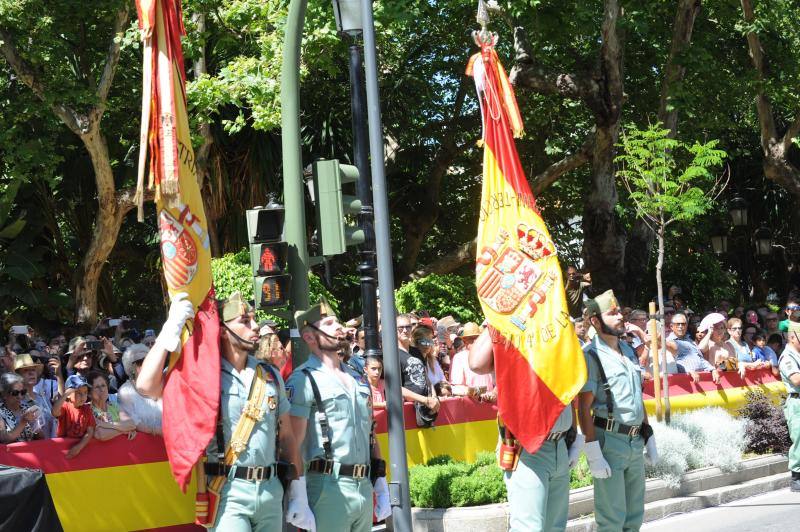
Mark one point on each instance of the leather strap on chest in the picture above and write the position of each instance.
(322, 417)
(604, 381)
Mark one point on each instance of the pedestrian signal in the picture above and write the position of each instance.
(269, 255)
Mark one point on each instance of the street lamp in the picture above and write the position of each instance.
(763, 240)
(719, 241)
(348, 16)
(738, 210)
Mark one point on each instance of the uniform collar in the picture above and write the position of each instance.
(228, 367)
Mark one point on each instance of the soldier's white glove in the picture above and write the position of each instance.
(180, 310)
(383, 508)
(575, 450)
(597, 463)
(651, 452)
(298, 513)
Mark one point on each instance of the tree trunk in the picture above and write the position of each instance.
(106, 228)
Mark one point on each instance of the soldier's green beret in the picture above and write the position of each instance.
(602, 303)
(233, 307)
(313, 314)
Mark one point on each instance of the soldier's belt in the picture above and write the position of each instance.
(555, 436)
(612, 426)
(326, 467)
(253, 474)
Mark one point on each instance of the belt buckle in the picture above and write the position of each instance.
(256, 473)
(328, 467)
(634, 431)
(359, 471)
(610, 424)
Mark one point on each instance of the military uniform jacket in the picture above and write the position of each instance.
(234, 391)
(624, 378)
(789, 364)
(349, 412)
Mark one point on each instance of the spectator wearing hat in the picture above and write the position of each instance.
(110, 423)
(31, 372)
(74, 414)
(143, 411)
(415, 386)
(465, 382)
(712, 345)
(18, 416)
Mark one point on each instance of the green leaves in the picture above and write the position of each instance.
(441, 295)
(649, 166)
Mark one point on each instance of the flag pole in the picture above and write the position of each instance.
(398, 488)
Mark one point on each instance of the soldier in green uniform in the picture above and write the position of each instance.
(250, 493)
(331, 414)
(538, 487)
(789, 365)
(612, 417)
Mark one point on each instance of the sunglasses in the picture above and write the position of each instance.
(404, 327)
(16, 393)
(736, 328)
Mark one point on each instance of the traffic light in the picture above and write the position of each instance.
(268, 256)
(335, 234)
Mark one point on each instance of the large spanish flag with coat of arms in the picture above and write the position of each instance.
(191, 388)
(539, 364)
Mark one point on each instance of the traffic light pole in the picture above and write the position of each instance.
(398, 489)
(293, 195)
(366, 269)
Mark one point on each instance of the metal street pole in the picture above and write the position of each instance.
(366, 269)
(293, 195)
(398, 489)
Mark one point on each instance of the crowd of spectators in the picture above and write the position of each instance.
(84, 386)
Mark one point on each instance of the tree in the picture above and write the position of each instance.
(72, 76)
(663, 194)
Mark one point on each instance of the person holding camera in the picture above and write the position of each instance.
(29, 367)
(18, 416)
(577, 285)
(415, 386)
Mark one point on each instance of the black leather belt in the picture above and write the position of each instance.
(326, 467)
(612, 426)
(253, 474)
(555, 436)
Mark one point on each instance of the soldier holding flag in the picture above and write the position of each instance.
(244, 491)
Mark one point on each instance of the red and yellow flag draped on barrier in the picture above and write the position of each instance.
(538, 360)
(191, 389)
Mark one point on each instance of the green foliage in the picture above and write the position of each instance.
(649, 167)
(580, 476)
(232, 273)
(441, 295)
(443, 482)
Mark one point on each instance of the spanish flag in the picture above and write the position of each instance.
(539, 364)
(191, 389)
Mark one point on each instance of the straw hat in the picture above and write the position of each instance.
(471, 330)
(25, 361)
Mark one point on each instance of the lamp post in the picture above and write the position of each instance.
(349, 23)
(763, 240)
(738, 209)
(719, 242)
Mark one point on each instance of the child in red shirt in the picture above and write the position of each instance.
(75, 418)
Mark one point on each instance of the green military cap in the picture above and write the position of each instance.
(314, 314)
(233, 307)
(602, 303)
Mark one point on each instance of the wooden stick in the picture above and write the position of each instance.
(653, 329)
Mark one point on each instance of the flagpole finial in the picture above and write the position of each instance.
(483, 36)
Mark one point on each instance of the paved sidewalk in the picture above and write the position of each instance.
(776, 511)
